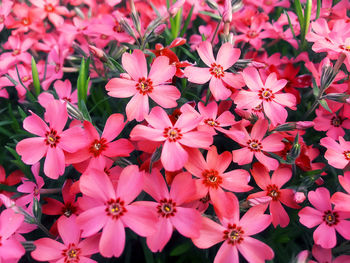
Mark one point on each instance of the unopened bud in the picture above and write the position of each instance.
(303, 125)
(227, 14)
(259, 200)
(303, 257)
(98, 53)
(319, 181)
(295, 151)
(74, 112)
(174, 8)
(299, 197)
(212, 4)
(339, 97)
(290, 126)
(160, 29)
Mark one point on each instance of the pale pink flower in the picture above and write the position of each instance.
(142, 85)
(216, 73)
(329, 220)
(111, 209)
(73, 248)
(272, 188)
(256, 144)
(267, 95)
(52, 140)
(52, 10)
(213, 178)
(10, 247)
(5, 10)
(170, 208)
(337, 154)
(175, 137)
(236, 234)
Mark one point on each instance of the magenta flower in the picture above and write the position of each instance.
(52, 10)
(256, 145)
(342, 200)
(170, 208)
(72, 250)
(272, 188)
(236, 234)
(142, 85)
(52, 140)
(337, 154)
(175, 137)
(215, 73)
(213, 178)
(5, 10)
(267, 95)
(329, 220)
(110, 209)
(11, 250)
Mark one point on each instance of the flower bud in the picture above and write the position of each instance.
(319, 181)
(259, 200)
(339, 97)
(212, 4)
(299, 197)
(98, 53)
(303, 125)
(74, 112)
(174, 8)
(227, 14)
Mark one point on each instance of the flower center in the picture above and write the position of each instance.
(273, 192)
(25, 21)
(98, 146)
(217, 71)
(71, 254)
(2, 19)
(36, 191)
(16, 52)
(166, 208)
(211, 122)
(254, 145)
(118, 28)
(233, 234)
(336, 121)
(266, 94)
(330, 218)
(68, 210)
(115, 208)
(173, 134)
(49, 8)
(258, 108)
(52, 139)
(211, 178)
(25, 78)
(144, 86)
(103, 36)
(252, 34)
(345, 47)
(347, 155)
(57, 68)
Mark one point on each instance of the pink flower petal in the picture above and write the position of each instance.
(186, 221)
(281, 176)
(236, 181)
(135, 64)
(227, 55)
(90, 223)
(247, 99)
(285, 99)
(325, 236)
(161, 237)
(158, 119)
(130, 183)
(205, 52)
(341, 201)
(275, 112)
(121, 88)
(11, 250)
(279, 214)
(320, 199)
(63, 88)
(227, 254)
(183, 188)
(252, 78)
(89, 245)
(54, 109)
(198, 139)
(211, 233)
(218, 89)
(141, 132)
(273, 143)
(343, 228)
(155, 185)
(34, 124)
(196, 163)
(254, 250)
(287, 198)
(197, 75)
(112, 239)
(242, 156)
(47, 249)
(114, 125)
(31, 149)
(218, 162)
(165, 95)
(161, 71)
(310, 217)
(121, 147)
(173, 156)
(270, 163)
(9, 223)
(72, 139)
(68, 229)
(54, 165)
(137, 107)
(261, 175)
(259, 129)
(254, 221)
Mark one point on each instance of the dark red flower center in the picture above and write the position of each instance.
(69, 209)
(345, 47)
(233, 234)
(273, 192)
(252, 34)
(216, 70)
(49, 8)
(254, 145)
(347, 155)
(144, 86)
(25, 21)
(211, 178)
(16, 52)
(266, 94)
(211, 122)
(330, 218)
(115, 208)
(98, 146)
(52, 139)
(172, 134)
(71, 254)
(336, 121)
(166, 208)
(25, 78)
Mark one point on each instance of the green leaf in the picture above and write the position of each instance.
(180, 249)
(307, 15)
(312, 173)
(315, 89)
(115, 64)
(37, 212)
(18, 162)
(83, 81)
(35, 76)
(290, 24)
(187, 22)
(324, 104)
(85, 111)
(212, 15)
(318, 10)
(28, 93)
(299, 11)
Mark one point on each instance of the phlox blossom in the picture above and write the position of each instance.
(342, 200)
(52, 140)
(337, 154)
(325, 255)
(272, 188)
(215, 72)
(329, 220)
(266, 95)
(140, 85)
(175, 137)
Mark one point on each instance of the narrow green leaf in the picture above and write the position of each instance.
(325, 105)
(85, 111)
(81, 82)
(28, 93)
(290, 24)
(318, 10)
(307, 15)
(18, 162)
(299, 12)
(212, 15)
(187, 22)
(14, 82)
(181, 249)
(35, 76)
(315, 89)
(115, 64)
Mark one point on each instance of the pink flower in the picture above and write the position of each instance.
(72, 249)
(10, 247)
(342, 200)
(170, 208)
(273, 101)
(99, 148)
(272, 188)
(52, 140)
(329, 220)
(141, 84)
(256, 145)
(109, 209)
(337, 154)
(236, 234)
(213, 178)
(52, 10)
(325, 255)
(5, 10)
(215, 73)
(175, 137)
